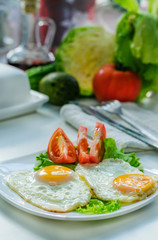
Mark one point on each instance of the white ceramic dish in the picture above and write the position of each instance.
(15, 86)
(34, 101)
(14, 199)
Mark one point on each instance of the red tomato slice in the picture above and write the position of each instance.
(60, 148)
(97, 146)
(82, 145)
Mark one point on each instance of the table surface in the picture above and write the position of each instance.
(30, 134)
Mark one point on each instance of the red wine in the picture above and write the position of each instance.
(25, 66)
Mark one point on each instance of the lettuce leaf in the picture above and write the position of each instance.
(137, 49)
(43, 161)
(130, 5)
(97, 206)
(123, 54)
(144, 43)
(153, 7)
(111, 151)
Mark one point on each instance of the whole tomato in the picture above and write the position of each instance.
(111, 84)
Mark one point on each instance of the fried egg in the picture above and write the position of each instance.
(53, 188)
(114, 179)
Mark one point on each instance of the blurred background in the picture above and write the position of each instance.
(65, 13)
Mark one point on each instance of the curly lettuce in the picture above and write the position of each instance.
(42, 161)
(137, 49)
(96, 206)
(153, 7)
(111, 151)
(130, 5)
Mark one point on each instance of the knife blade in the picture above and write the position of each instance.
(142, 137)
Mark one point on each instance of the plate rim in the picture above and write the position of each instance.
(64, 216)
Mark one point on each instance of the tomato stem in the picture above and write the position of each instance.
(119, 67)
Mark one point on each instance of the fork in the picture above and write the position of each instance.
(115, 107)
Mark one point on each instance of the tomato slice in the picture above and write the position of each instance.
(97, 147)
(60, 148)
(82, 145)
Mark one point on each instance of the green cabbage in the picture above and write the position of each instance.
(83, 51)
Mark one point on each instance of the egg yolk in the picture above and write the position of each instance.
(54, 175)
(133, 183)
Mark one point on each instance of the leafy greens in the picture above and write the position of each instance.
(43, 161)
(136, 45)
(96, 206)
(153, 7)
(111, 151)
(130, 5)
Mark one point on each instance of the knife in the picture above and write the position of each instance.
(142, 137)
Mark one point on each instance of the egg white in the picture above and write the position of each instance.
(59, 198)
(100, 178)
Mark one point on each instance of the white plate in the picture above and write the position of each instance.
(26, 163)
(35, 101)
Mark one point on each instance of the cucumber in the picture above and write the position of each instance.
(35, 74)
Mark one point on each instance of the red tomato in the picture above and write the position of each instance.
(82, 145)
(112, 84)
(97, 147)
(60, 148)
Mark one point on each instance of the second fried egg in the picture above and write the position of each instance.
(114, 179)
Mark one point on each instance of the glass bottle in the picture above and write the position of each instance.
(32, 51)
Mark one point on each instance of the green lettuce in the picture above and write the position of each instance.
(144, 42)
(111, 151)
(153, 7)
(96, 206)
(130, 5)
(43, 161)
(137, 49)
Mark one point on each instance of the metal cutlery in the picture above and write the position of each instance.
(142, 137)
(115, 107)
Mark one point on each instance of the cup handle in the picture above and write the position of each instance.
(51, 30)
